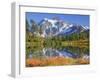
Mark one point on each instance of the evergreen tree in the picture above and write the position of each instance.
(27, 26)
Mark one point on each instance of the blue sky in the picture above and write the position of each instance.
(71, 18)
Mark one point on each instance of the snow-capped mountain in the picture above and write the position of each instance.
(54, 27)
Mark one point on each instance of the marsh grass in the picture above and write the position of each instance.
(55, 61)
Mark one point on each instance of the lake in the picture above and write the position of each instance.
(57, 54)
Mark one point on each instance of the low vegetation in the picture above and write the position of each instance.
(55, 61)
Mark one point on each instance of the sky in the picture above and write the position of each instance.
(71, 18)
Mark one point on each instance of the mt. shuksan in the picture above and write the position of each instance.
(55, 27)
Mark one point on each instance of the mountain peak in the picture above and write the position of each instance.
(56, 26)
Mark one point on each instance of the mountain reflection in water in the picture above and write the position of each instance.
(70, 52)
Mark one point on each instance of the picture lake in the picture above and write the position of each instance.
(56, 53)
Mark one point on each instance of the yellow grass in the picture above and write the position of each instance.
(55, 61)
